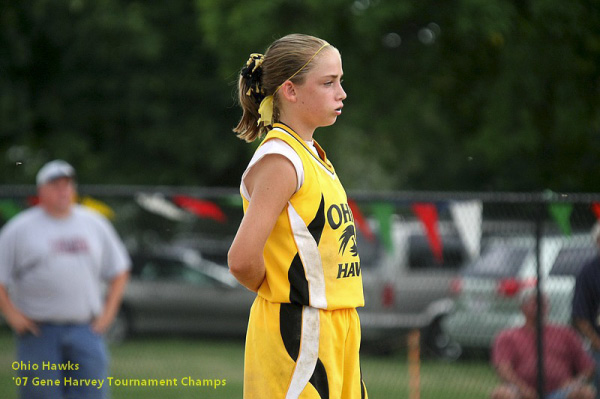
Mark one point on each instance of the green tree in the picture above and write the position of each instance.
(124, 90)
(462, 95)
(478, 95)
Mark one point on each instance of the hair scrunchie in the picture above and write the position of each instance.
(252, 74)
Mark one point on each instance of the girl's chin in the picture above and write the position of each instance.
(331, 121)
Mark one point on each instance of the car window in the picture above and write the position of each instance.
(420, 254)
(498, 261)
(171, 270)
(370, 250)
(569, 261)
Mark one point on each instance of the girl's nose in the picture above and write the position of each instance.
(342, 93)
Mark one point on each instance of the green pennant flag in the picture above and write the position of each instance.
(562, 214)
(8, 209)
(232, 200)
(383, 213)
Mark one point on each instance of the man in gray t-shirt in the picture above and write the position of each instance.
(54, 260)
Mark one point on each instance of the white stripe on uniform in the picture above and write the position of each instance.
(309, 352)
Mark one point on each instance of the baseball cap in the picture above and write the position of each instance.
(54, 170)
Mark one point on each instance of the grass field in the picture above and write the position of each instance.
(144, 359)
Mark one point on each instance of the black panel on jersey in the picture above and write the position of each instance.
(319, 380)
(290, 327)
(296, 272)
(298, 282)
(318, 223)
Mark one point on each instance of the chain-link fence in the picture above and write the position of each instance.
(443, 273)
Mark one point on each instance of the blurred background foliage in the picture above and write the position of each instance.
(442, 95)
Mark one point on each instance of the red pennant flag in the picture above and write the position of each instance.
(427, 213)
(596, 209)
(204, 209)
(361, 222)
(33, 200)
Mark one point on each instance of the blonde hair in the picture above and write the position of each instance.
(288, 58)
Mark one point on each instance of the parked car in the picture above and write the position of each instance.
(174, 290)
(488, 291)
(407, 289)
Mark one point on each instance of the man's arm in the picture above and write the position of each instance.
(112, 304)
(15, 319)
(508, 374)
(582, 363)
(586, 328)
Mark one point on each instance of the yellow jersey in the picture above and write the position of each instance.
(311, 256)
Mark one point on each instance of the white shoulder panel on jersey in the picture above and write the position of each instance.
(275, 146)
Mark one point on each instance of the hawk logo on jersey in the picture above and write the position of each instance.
(346, 237)
(336, 216)
(351, 269)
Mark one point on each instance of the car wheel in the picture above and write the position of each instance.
(120, 328)
(439, 342)
(453, 351)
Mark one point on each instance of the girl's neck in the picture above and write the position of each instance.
(305, 133)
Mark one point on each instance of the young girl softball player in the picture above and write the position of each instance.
(296, 245)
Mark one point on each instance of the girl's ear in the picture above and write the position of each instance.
(288, 91)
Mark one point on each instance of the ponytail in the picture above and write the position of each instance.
(250, 95)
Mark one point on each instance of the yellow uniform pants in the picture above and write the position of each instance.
(295, 351)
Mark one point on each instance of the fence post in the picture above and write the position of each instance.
(539, 227)
(414, 369)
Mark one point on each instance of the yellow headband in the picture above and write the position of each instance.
(265, 108)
